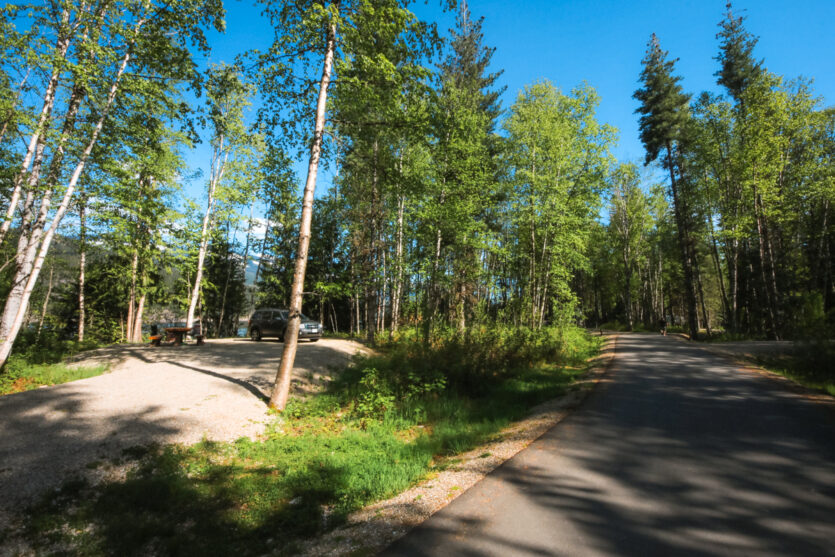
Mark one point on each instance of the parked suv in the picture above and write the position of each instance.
(272, 322)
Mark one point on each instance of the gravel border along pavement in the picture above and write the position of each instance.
(375, 527)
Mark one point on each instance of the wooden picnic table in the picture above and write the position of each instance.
(176, 334)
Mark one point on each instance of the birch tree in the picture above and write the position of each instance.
(95, 44)
(227, 96)
(313, 34)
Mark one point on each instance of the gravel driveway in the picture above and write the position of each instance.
(152, 395)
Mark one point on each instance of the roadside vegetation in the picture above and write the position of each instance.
(810, 363)
(40, 360)
(387, 422)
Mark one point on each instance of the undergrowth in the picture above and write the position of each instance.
(810, 363)
(387, 422)
(37, 360)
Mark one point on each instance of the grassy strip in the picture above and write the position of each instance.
(387, 423)
(810, 366)
(38, 360)
(24, 377)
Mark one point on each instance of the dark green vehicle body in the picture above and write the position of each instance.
(272, 322)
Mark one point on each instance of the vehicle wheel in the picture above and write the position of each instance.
(281, 337)
(255, 334)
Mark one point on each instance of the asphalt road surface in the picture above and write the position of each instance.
(677, 452)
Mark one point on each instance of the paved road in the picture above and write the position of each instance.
(678, 452)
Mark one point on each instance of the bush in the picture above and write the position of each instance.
(469, 364)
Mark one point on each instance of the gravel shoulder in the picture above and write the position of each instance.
(152, 395)
(373, 528)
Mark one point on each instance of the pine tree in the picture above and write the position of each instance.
(664, 115)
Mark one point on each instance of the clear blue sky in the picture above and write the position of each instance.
(602, 42)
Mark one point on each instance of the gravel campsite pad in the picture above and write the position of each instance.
(169, 394)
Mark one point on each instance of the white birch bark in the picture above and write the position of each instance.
(10, 327)
(82, 265)
(37, 136)
(134, 265)
(137, 325)
(218, 166)
(281, 391)
(398, 281)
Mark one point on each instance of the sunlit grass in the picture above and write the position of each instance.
(322, 459)
(18, 378)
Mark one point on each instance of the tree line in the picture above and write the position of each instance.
(746, 241)
(445, 210)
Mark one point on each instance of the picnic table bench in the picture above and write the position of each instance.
(175, 335)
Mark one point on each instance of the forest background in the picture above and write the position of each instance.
(142, 181)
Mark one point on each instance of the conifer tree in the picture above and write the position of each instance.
(736, 56)
(664, 115)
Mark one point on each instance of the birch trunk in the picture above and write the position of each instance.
(36, 139)
(371, 300)
(685, 247)
(82, 264)
(134, 265)
(137, 326)
(281, 391)
(398, 279)
(10, 327)
(218, 167)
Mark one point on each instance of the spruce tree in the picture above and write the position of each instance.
(664, 114)
(467, 62)
(736, 56)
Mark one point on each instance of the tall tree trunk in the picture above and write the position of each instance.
(82, 263)
(218, 168)
(134, 267)
(281, 391)
(371, 291)
(702, 296)
(10, 327)
(716, 263)
(37, 138)
(772, 317)
(137, 325)
(733, 283)
(679, 207)
(46, 301)
(398, 279)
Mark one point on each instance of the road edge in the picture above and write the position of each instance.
(784, 382)
(377, 526)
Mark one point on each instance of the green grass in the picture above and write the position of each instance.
(387, 423)
(20, 376)
(811, 364)
(39, 360)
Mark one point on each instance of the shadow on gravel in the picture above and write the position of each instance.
(41, 443)
(681, 454)
(49, 434)
(256, 392)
